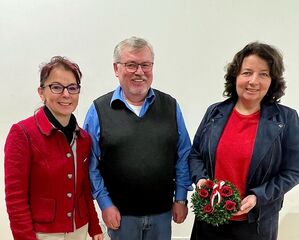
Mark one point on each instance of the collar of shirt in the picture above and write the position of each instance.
(118, 95)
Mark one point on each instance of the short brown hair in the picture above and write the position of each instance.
(58, 61)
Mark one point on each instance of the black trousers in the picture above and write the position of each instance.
(235, 230)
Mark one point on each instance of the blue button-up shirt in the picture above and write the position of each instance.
(92, 126)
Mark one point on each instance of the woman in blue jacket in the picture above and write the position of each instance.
(253, 142)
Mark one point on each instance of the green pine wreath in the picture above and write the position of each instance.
(215, 202)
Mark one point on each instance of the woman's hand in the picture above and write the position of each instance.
(98, 237)
(201, 182)
(246, 205)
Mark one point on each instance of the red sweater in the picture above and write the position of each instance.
(235, 149)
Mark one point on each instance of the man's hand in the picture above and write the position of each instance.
(111, 217)
(179, 212)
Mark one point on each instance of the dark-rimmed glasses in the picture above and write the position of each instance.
(133, 67)
(58, 88)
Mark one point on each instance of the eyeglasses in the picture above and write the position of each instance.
(133, 67)
(58, 88)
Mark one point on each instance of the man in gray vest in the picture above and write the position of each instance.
(138, 169)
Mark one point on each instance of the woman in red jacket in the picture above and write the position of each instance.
(47, 186)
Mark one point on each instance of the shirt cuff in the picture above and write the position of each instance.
(180, 193)
(104, 202)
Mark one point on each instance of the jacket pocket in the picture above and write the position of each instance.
(82, 207)
(43, 210)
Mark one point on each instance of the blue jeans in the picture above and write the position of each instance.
(150, 227)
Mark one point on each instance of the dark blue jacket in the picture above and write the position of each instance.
(274, 167)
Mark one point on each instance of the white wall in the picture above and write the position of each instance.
(193, 41)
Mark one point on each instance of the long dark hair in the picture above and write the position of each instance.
(274, 60)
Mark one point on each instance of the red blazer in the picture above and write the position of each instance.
(45, 191)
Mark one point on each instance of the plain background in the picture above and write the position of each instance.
(193, 42)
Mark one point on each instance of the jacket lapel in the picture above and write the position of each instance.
(269, 129)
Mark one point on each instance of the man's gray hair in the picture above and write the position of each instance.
(135, 43)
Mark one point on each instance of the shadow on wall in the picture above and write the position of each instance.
(288, 227)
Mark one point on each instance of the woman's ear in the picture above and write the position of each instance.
(40, 91)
